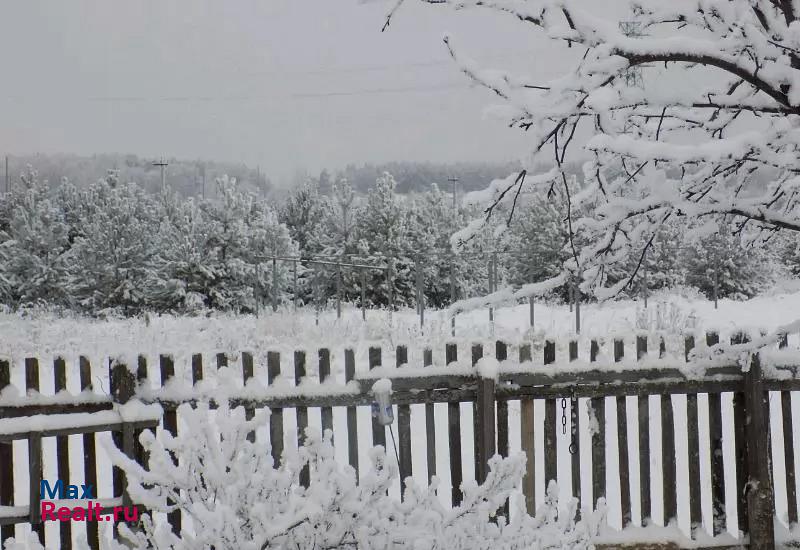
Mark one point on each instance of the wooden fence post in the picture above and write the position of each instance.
(7, 459)
(501, 354)
(352, 423)
(740, 439)
(760, 496)
(550, 438)
(302, 413)
(622, 444)
(378, 429)
(486, 427)
(403, 428)
(170, 421)
(62, 449)
(89, 454)
(454, 435)
(34, 455)
(643, 405)
(123, 387)
(528, 439)
(326, 414)
(276, 413)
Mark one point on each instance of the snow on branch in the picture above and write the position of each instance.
(707, 135)
(238, 498)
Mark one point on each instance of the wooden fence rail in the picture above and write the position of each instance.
(576, 400)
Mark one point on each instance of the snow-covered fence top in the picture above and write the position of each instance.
(515, 390)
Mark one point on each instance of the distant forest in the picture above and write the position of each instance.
(186, 176)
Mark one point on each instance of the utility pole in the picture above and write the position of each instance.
(454, 181)
(203, 168)
(163, 165)
(6, 173)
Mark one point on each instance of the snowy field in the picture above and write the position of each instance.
(47, 336)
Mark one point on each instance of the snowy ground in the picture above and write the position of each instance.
(48, 336)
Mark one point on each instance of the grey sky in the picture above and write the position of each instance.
(286, 84)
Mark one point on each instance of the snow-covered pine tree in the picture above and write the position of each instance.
(741, 271)
(535, 242)
(304, 213)
(383, 235)
(244, 235)
(111, 259)
(35, 246)
(334, 240)
(184, 276)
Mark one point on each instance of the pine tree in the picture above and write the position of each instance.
(383, 235)
(34, 270)
(741, 271)
(111, 259)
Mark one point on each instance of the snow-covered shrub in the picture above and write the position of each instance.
(670, 316)
(237, 498)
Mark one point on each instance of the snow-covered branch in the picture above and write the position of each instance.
(688, 111)
(238, 499)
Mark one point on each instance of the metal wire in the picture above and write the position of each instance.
(394, 444)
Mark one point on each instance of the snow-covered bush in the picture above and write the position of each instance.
(238, 499)
(669, 316)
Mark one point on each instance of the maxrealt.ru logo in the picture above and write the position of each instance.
(88, 510)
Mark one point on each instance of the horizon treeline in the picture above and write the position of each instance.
(111, 247)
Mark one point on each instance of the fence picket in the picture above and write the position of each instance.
(89, 454)
(35, 455)
(789, 458)
(403, 428)
(719, 519)
(741, 443)
(34, 475)
(62, 448)
(7, 458)
(302, 412)
(550, 441)
(247, 375)
(430, 424)
(692, 429)
(326, 413)
(622, 445)
(643, 405)
(575, 438)
(668, 459)
(528, 438)
(123, 388)
(167, 367)
(378, 430)
(597, 410)
(276, 413)
(477, 354)
(501, 354)
(454, 435)
(760, 492)
(352, 420)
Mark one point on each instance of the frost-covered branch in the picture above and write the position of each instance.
(238, 499)
(709, 136)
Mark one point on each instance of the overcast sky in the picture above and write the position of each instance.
(287, 84)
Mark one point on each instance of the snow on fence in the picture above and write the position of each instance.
(496, 379)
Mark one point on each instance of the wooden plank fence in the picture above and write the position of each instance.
(561, 392)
